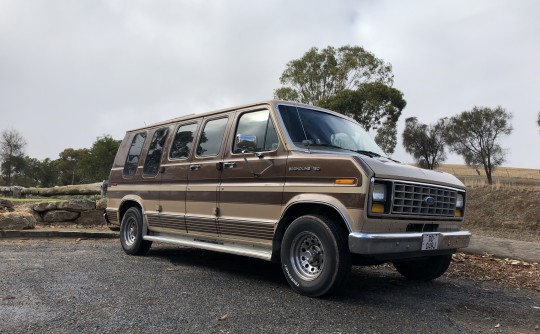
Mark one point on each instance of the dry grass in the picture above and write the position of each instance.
(500, 172)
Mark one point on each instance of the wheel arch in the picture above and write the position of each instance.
(128, 203)
(302, 208)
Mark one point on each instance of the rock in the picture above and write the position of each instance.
(101, 204)
(6, 205)
(77, 205)
(92, 217)
(45, 206)
(17, 221)
(60, 216)
(29, 208)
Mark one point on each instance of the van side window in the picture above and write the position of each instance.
(153, 157)
(211, 137)
(258, 124)
(183, 140)
(132, 159)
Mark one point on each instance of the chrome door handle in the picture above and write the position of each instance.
(229, 165)
(194, 167)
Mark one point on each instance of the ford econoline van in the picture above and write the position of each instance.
(284, 182)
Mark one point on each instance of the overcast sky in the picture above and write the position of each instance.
(73, 70)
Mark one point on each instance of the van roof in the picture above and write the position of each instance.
(245, 106)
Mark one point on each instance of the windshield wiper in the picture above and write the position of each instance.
(370, 154)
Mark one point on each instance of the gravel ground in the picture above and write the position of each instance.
(83, 286)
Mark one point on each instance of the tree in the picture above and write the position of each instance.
(474, 135)
(12, 146)
(425, 142)
(96, 165)
(386, 137)
(68, 166)
(319, 75)
(349, 80)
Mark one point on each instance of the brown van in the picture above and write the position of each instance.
(284, 182)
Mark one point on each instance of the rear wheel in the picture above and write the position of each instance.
(424, 269)
(131, 233)
(314, 256)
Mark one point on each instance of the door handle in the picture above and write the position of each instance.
(229, 165)
(194, 167)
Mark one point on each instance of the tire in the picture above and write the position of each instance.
(425, 269)
(315, 256)
(131, 233)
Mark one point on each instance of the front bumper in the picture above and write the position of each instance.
(394, 243)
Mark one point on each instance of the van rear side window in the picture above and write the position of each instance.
(183, 140)
(132, 159)
(153, 158)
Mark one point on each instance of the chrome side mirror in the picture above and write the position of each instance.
(246, 142)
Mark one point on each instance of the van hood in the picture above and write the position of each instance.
(387, 169)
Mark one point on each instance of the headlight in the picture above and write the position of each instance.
(459, 201)
(379, 192)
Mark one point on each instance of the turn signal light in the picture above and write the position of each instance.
(377, 208)
(346, 181)
(458, 213)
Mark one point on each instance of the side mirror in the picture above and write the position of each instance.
(246, 142)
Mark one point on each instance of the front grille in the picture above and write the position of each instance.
(423, 200)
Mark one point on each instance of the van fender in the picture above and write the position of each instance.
(138, 200)
(321, 199)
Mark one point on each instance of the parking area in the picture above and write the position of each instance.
(74, 285)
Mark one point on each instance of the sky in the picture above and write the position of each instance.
(74, 70)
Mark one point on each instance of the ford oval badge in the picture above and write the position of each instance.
(429, 200)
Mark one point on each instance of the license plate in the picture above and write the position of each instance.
(430, 241)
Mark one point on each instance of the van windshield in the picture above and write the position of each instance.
(310, 128)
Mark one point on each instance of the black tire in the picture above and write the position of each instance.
(131, 230)
(315, 256)
(424, 269)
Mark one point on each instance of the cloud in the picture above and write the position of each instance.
(74, 70)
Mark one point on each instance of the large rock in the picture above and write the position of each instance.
(29, 208)
(92, 217)
(60, 216)
(77, 205)
(45, 206)
(17, 221)
(101, 204)
(6, 205)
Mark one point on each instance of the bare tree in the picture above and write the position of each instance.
(12, 146)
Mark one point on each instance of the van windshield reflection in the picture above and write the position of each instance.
(312, 128)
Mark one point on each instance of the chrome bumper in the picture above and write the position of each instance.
(391, 243)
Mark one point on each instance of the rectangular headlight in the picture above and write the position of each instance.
(379, 192)
(459, 201)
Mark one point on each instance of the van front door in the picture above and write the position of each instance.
(252, 182)
(203, 177)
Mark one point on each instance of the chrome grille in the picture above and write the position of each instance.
(423, 200)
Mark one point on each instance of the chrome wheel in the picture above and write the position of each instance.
(130, 232)
(307, 256)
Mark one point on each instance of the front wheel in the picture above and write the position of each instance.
(424, 269)
(314, 256)
(131, 233)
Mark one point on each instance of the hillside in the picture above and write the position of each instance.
(510, 208)
(504, 212)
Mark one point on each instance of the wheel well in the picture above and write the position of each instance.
(298, 210)
(125, 206)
